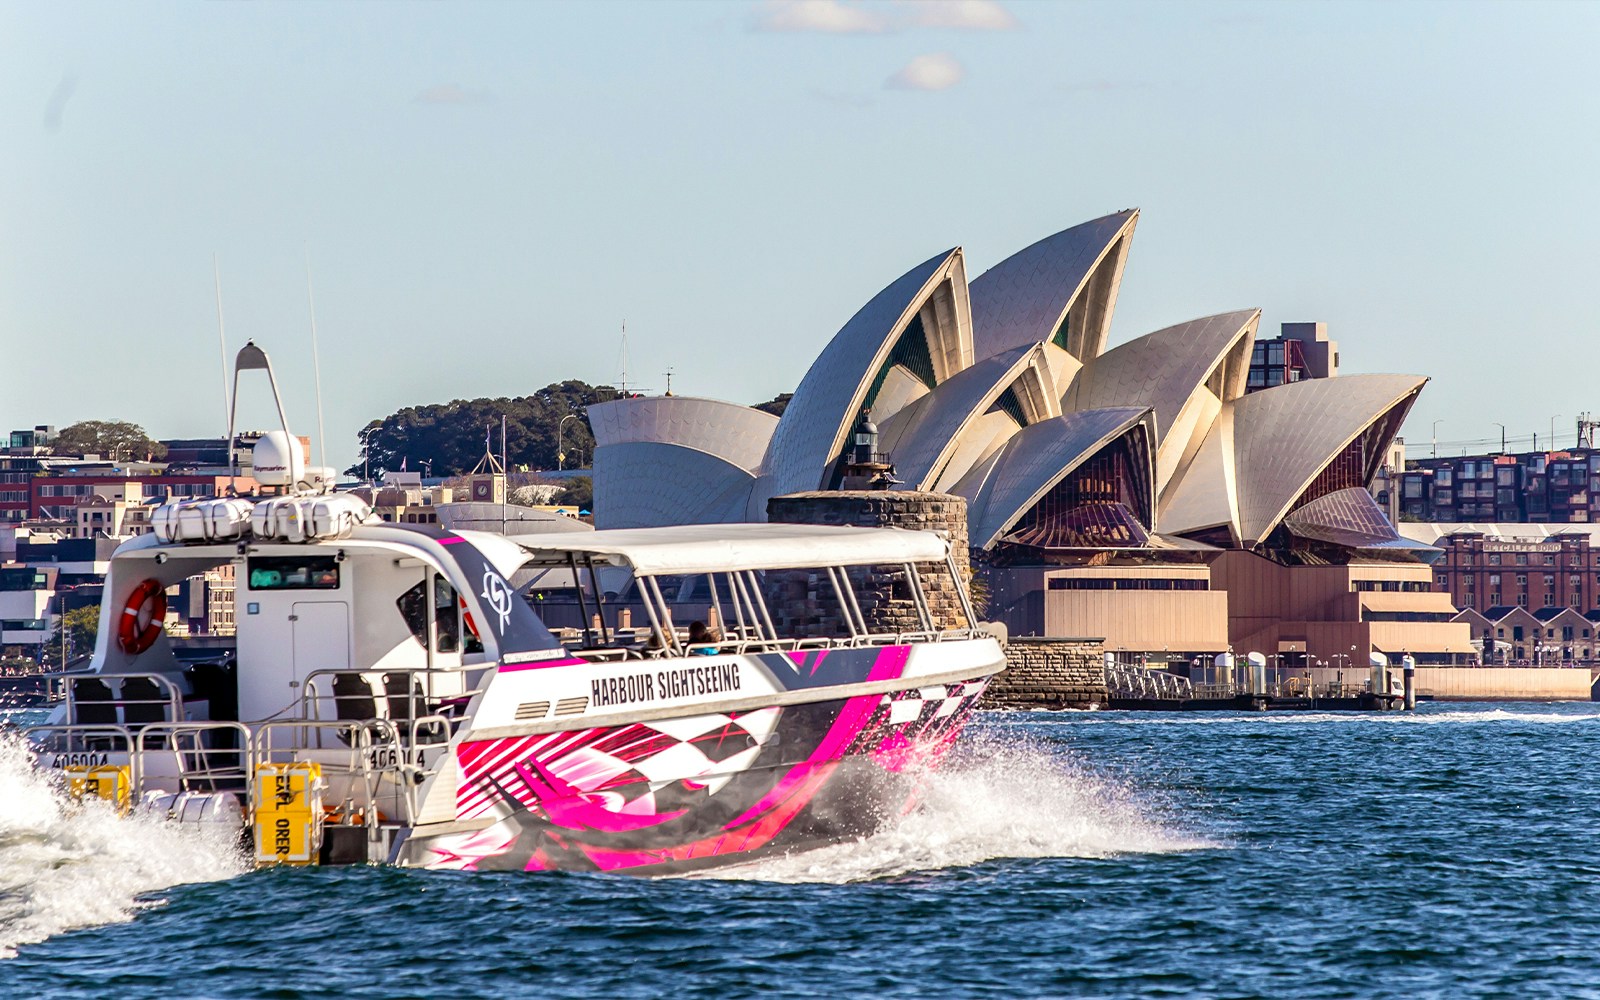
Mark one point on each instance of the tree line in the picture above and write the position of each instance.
(438, 439)
(447, 439)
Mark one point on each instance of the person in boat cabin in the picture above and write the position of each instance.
(700, 635)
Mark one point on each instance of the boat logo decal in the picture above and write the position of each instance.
(498, 593)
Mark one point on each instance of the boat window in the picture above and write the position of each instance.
(670, 585)
(554, 595)
(413, 606)
(445, 617)
(294, 573)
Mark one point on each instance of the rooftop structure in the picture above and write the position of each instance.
(1535, 486)
(1005, 393)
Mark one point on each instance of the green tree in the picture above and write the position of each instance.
(113, 439)
(579, 493)
(82, 626)
(776, 405)
(448, 439)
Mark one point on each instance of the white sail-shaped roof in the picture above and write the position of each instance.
(1000, 491)
(1204, 496)
(646, 484)
(1284, 436)
(1070, 277)
(1281, 439)
(736, 434)
(921, 447)
(1184, 372)
(860, 361)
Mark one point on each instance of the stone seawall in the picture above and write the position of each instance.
(1050, 673)
(803, 602)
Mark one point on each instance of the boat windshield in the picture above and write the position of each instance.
(727, 588)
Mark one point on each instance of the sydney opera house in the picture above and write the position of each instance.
(1144, 493)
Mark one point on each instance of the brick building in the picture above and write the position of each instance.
(1486, 569)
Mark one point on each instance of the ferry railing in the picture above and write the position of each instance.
(734, 644)
(376, 762)
(752, 629)
(364, 752)
(84, 746)
(399, 695)
(134, 711)
(1127, 681)
(67, 741)
(204, 761)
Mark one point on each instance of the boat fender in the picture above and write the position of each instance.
(142, 617)
(219, 809)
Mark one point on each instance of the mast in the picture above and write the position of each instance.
(316, 368)
(623, 382)
(222, 342)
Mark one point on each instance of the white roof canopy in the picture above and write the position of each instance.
(722, 548)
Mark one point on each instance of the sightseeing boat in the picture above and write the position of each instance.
(395, 697)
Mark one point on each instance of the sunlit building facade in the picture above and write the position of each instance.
(1115, 492)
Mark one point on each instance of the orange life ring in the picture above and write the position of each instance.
(466, 617)
(142, 617)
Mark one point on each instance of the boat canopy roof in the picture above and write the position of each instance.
(722, 548)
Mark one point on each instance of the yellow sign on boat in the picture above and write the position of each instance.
(288, 813)
(107, 782)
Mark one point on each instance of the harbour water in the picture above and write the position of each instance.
(1447, 853)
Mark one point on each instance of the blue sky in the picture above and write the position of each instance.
(486, 191)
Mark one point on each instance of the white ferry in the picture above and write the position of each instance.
(396, 698)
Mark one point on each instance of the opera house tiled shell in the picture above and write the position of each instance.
(1004, 392)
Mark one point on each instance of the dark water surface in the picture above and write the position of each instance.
(1445, 854)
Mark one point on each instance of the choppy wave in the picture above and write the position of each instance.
(1420, 718)
(65, 865)
(1013, 800)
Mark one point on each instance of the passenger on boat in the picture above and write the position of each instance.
(699, 638)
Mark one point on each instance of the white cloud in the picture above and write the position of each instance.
(935, 71)
(449, 93)
(827, 16)
(967, 15)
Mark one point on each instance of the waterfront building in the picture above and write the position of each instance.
(55, 494)
(1549, 572)
(1536, 487)
(1139, 493)
(27, 594)
(20, 461)
(402, 498)
(1300, 351)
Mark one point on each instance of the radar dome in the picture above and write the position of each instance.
(277, 460)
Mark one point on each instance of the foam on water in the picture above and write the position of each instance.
(65, 865)
(1011, 799)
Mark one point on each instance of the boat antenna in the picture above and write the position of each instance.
(316, 368)
(222, 341)
(623, 382)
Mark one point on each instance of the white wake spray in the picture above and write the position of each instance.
(65, 865)
(1010, 799)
